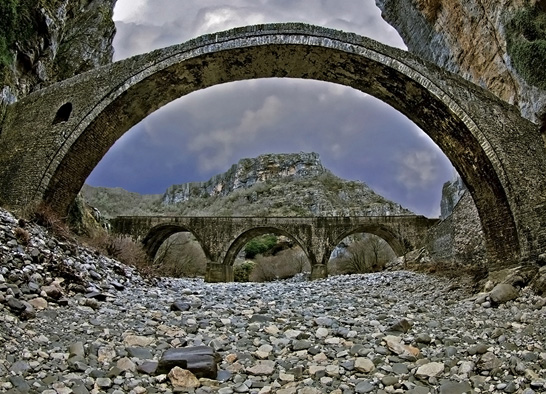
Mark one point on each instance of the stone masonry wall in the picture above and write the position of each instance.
(459, 237)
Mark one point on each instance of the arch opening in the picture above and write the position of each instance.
(155, 244)
(63, 113)
(270, 257)
(180, 255)
(360, 253)
(254, 243)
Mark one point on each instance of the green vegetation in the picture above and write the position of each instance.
(260, 245)
(241, 272)
(8, 31)
(19, 21)
(526, 38)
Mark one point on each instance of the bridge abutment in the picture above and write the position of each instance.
(219, 273)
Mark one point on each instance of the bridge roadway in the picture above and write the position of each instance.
(222, 238)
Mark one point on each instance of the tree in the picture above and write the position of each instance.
(179, 256)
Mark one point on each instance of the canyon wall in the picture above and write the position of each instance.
(50, 41)
(498, 44)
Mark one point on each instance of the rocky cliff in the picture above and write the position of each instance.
(46, 41)
(270, 185)
(452, 192)
(247, 173)
(498, 44)
(295, 184)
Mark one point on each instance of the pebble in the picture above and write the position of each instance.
(385, 332)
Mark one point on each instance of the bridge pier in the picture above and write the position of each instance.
(319, 271)
(219, 273)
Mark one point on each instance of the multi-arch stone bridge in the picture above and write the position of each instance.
(51, 140)
(222, 238)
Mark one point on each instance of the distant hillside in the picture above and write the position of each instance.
(269, 185)
(113, 202)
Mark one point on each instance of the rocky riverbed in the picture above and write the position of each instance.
(73, 321)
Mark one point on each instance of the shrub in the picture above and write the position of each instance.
(122, 248)
(368, 254)
(180, 256)
(526, 44)
(259, 245)
(22, 236)
(242, 272)
(284, 265)
(45, 216)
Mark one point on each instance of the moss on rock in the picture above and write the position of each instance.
(526, 38)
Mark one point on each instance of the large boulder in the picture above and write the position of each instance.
(200, 360)
(539, 282)
(503, 292)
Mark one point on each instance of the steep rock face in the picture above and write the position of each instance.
(248, 172)
(69, 37)
(269, 185)
(471, 38)
(452, 192)
(295, 184)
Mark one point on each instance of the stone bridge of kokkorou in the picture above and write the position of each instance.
(222, 238)
(52, 139)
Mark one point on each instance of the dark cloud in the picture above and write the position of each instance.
(357, 136)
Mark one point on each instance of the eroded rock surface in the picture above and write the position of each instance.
(468, 38)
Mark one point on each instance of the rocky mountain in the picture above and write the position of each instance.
(270, 185)
(247, 173)
(46, 41)
(498, 44)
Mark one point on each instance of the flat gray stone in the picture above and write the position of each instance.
(455, 388)
(365, 386)
(200, 360)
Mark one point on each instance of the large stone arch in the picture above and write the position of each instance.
(160, 233)
(242, 239)
(497, 152)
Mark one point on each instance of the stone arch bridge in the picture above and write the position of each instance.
(222, 238)
(52, 139)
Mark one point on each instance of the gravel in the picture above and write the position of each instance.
(73, 321)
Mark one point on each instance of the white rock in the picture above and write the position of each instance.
(364, 365)
(292, 334)
(322, 332)
(430, 370)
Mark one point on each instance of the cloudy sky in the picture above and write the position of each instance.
(357, 136)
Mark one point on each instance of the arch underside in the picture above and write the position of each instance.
(242, 239)
(390, 236)
(159, 234)
(403, 92)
